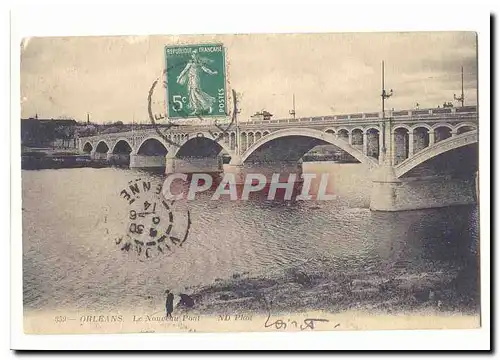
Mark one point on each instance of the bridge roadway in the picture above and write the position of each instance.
(405, 152)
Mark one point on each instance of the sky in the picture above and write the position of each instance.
(334, 73)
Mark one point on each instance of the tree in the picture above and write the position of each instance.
(88, 130)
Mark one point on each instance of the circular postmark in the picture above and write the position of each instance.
(162, 128)
(153, 226)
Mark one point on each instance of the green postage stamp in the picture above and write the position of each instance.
(196, 81)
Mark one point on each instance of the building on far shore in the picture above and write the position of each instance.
(37, 132)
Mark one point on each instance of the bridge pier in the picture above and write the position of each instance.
(240, 170)
(147, 161)
(383, 194)
(365, 143)
(381, 155)
(117, 159)
(392, 194)
(169, 165)
(193, 165)
(237, 170)
(96, 155)
(431, 137)
(110, 156)
(411, 143)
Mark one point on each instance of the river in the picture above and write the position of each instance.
(301, 254)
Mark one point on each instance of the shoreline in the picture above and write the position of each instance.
(40, 159)
(298, 291)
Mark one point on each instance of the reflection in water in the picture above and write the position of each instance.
(71, 261)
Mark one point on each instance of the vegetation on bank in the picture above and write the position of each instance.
(299, 290)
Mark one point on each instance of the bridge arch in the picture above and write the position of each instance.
(438, 148)
(122, 146)
(342, 128)
(314, 134)
(443, 125)
(442, 132)
(205, 140)
(416, 126)
(357, 128)
(330, 130)
(421, 138)
(250, 138)
(152, 145)
(370, 127)
(102, 146)
(463, 125)
(401, 126)
(357, 136)
(87, 148)
(343, 133)
(232, 140)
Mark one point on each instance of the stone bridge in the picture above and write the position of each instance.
(402, 150)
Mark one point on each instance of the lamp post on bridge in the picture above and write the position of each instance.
(133, 129)
(292, 112)
(384, 178)
(236, 112)
(385, 95)
(461, 98)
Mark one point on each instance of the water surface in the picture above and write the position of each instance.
(70, 260)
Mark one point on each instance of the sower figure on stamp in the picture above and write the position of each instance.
(198, 99)
(169, 304)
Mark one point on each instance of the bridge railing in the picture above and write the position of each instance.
(399, 114)
(469, 112)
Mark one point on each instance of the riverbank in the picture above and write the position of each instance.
(37, 159)
(296, 301)
(296, 290)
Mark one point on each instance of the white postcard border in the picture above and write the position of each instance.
(137, 20)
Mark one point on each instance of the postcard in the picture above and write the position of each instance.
(250, 182)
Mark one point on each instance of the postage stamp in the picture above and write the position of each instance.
(267, 182)
(196, 79)
(182, 63)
